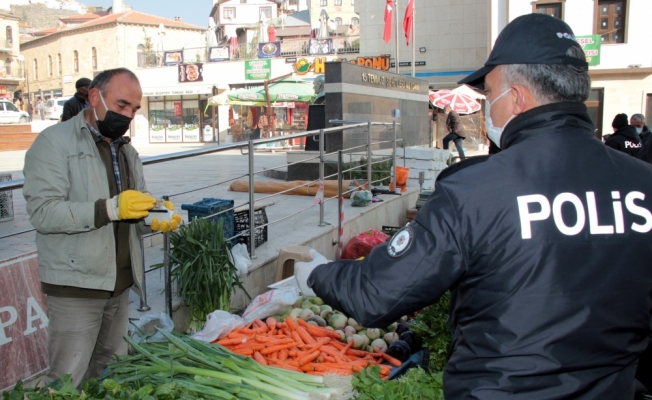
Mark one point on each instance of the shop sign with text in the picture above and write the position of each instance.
(591, 45)
(318, 64)
(256, 70)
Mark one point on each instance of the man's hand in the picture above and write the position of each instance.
(302, 271)
(130, 204)
(167, 225)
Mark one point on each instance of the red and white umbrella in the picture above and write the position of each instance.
(459, 102)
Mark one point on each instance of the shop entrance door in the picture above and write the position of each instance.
(208, 122)
(594, 105)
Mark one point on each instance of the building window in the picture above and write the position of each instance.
(352, 2)
(35, 69)
(323, 3)
(228, 13)
(94, 58)
(140, 55)
(243, 1)
(266, 11)
(10, 36)
(338, 21)
(59, 62)
(293, 2)
(355, 21)
(610, 21)
(338, 2)
(50, 69)
(552, 9)
(8, 66)
(75, 62)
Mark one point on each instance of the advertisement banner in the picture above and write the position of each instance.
(23, 321)
(190, 133)
(191, 72)
(221, 53)
(177, 108)
(173, 134)
(591, 45)
(173, 58)
(269, 49)
(320, 46)
(256, 70)
(157, 134)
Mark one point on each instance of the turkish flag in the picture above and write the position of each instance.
(388, 22)
(407, 21)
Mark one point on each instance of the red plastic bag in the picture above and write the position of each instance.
(361, 245)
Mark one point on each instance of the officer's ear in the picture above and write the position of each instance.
(522, 99)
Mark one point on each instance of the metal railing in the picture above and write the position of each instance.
(250, 146)
(249, 51)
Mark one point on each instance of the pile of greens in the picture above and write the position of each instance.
(415, 384)
(432, 329)
(202, 269)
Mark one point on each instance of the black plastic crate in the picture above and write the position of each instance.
(241, 219)
(211, 206)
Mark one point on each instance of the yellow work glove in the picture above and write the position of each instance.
(130, 204)
(166, 225)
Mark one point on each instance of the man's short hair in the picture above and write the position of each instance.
(104, 77)
(551, 83)
(639, 116)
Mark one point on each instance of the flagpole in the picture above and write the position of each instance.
(414, 54)
(396, 12)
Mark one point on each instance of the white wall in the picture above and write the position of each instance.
(245, 13)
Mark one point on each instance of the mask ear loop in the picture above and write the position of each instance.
(103, 103)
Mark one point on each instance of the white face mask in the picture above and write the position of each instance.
(494, 132)
(639, 130)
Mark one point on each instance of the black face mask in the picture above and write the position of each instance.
(113, 125)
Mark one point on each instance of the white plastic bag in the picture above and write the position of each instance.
(270, 303)
(218, 324)
(241, 259)
(145, 330)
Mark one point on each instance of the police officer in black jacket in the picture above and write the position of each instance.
(625, 138)
(77, 102)
(546, 246)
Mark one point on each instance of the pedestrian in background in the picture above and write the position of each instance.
(638, 122)
(77, 102)
(30, 110)
(455, 131)
(624, 138)
(40, 108)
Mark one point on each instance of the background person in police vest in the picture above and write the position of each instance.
(545, 246)
(638, 122)
(624, 138)
(86, 196)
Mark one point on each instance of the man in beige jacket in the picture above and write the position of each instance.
(86, 197)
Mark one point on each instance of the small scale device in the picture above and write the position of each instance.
(159, 211)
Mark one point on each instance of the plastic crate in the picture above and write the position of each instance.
(242, 226)
(211, 206)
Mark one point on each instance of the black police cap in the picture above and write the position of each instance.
(530, 39)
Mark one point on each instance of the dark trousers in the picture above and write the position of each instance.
(455, 138)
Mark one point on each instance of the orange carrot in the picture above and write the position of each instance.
(305, 335)
(283, 354)
(287, 366)
(271, 323)
(272, 331)
(309, 358)
(244, 352)
(347, 347)
(231, 342)
(335, 354)
(297, 338)
(290, 323)
(259, 358)
(274, 349)
(322, 332)
(286, 330)
(262, 339)
(280, 325)
(330, 370)
(392, 360)
(316, 373)
(337, 344)
(327, 358)
(356, 353)
(273, 356)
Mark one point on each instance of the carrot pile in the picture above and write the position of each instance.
(302, 347)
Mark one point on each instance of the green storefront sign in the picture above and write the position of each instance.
(591, 46)
(256, 70)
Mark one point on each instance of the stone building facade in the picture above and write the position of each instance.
(55, 62)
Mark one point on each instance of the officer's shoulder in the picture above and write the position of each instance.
(469, 162)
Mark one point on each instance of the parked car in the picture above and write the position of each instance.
(10, 114)
(54, 107)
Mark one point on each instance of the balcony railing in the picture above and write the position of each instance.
(247, 51)
(11, 73)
